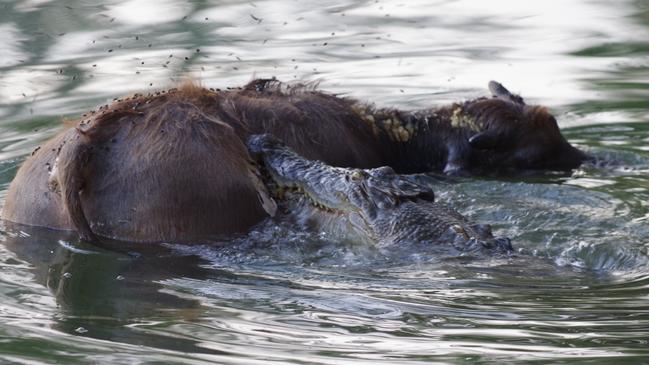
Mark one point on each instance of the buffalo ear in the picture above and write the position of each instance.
(485, 141)
(499, 91)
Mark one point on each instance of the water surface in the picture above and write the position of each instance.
(577, 290)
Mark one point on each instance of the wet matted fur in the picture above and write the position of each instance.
(172, 166)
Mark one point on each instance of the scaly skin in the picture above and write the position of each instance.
(374, 205)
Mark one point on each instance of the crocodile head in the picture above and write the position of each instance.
(375, 205)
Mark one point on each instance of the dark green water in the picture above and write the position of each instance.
(576, 292)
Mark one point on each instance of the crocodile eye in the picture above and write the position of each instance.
(460, 231)
(356, 175)
(384, 171)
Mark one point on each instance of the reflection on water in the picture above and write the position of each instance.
(575, 289)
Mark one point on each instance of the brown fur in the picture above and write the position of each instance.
(31, 199)
(316, 125)
(149, 168)
(172, 166)
(519, 136)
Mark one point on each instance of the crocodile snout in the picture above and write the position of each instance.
(260, 143)
(499, 244)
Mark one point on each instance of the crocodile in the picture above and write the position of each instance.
(375, 205)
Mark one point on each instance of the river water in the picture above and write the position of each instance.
(576, 291)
